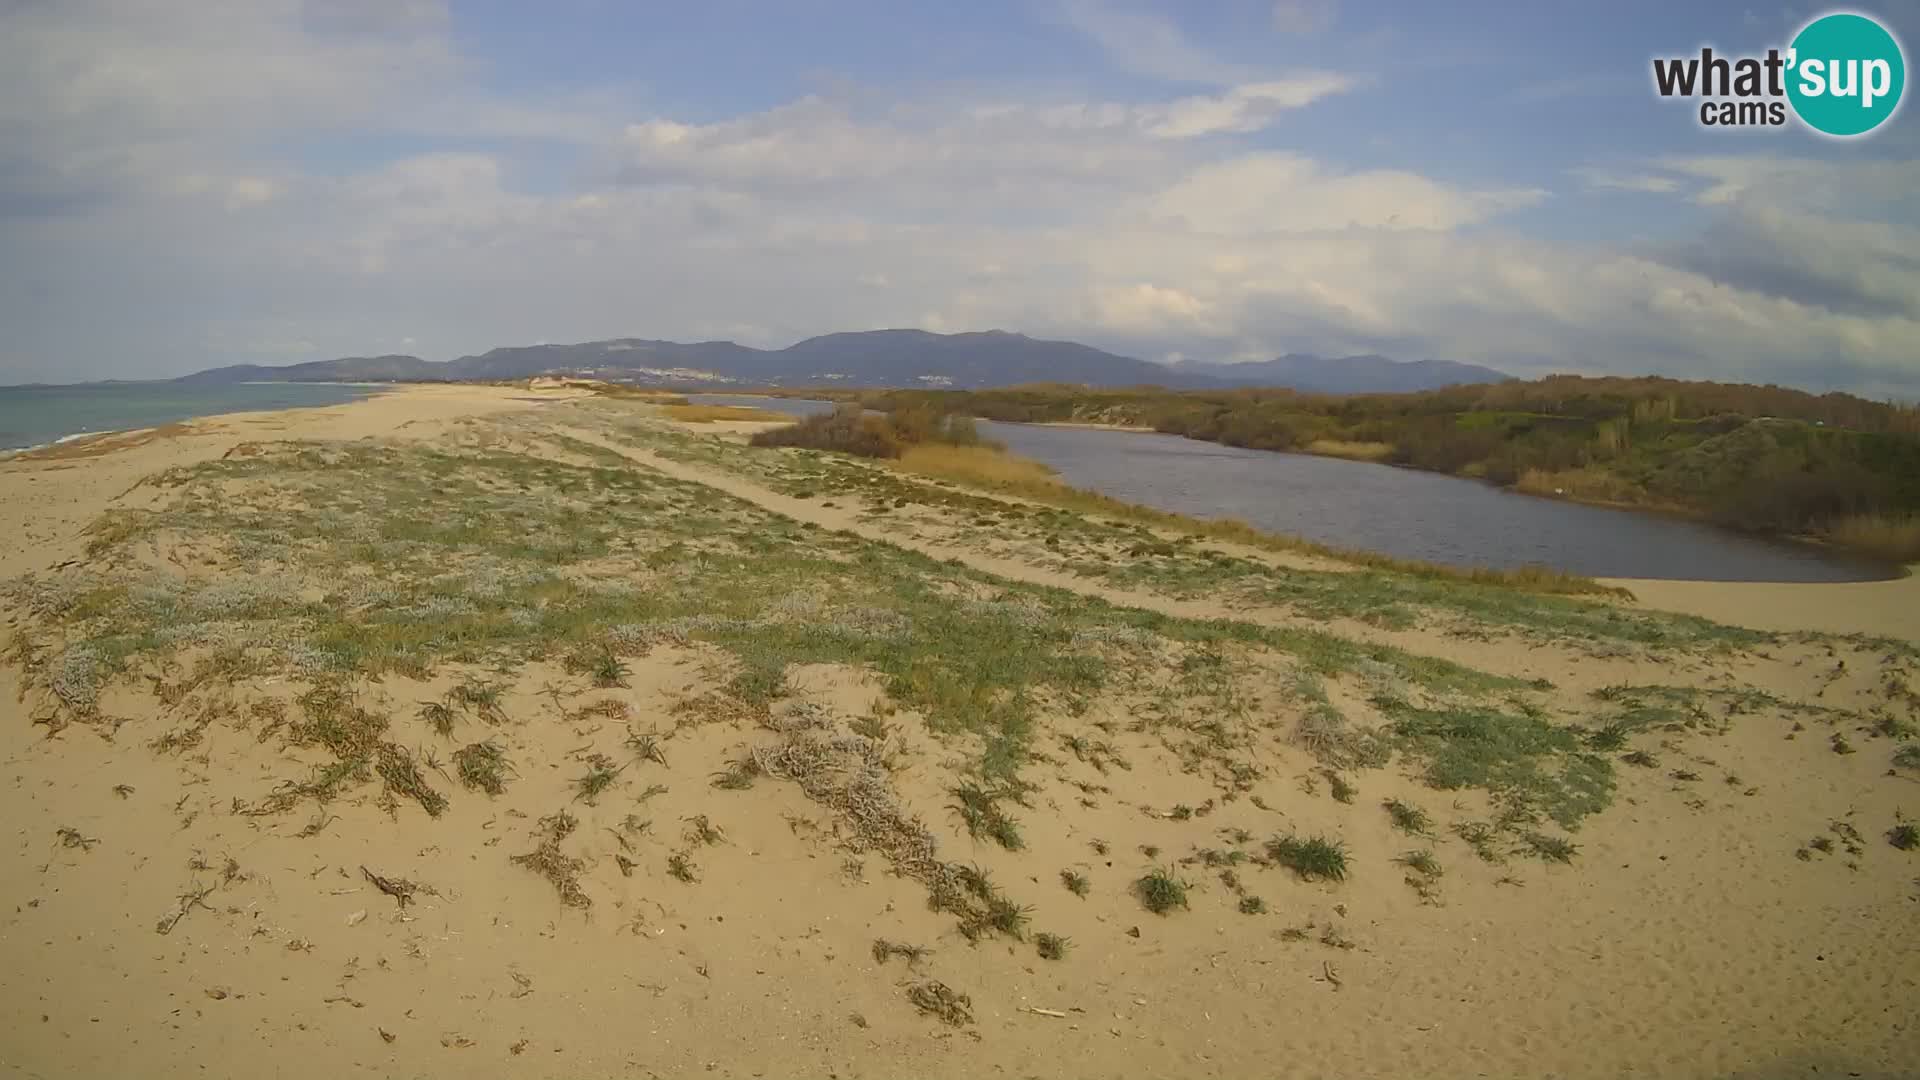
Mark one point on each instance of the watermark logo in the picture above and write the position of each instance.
(1842, 75)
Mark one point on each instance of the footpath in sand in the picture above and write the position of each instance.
(196, 890)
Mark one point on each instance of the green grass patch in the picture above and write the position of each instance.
(1528, 763)
(1160, 891)
(1313, 859)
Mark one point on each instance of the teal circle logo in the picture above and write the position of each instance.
(1845, 74)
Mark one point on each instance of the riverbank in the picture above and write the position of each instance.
(1343, 503)
(1765, 460)
(468, 729)
(1894, 541)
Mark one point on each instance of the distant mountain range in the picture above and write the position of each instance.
(872, 358)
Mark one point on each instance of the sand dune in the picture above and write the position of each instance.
(201, 883)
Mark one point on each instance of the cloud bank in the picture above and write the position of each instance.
(161, 211)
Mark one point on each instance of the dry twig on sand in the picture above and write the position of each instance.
(940, 1000)
(400, 889)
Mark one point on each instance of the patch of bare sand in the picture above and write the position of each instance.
(1686, 940)
(1883, 608)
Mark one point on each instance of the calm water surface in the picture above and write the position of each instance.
(1399, 512)
(38, 415)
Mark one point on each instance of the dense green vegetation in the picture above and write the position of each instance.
(1761, 458)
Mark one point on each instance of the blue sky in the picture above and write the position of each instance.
(281, 180)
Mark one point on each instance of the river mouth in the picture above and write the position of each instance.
(1404, 513)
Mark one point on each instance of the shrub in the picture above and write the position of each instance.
(848, 430)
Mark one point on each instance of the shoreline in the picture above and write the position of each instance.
(1898, 571)
(1882, 570)
(11, 452)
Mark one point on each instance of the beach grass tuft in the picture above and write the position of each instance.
(1160, 891)
(1076, 882)
(1407, 817)
(1313, 859)
(482, 765)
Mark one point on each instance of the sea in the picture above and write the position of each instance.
(33, 416)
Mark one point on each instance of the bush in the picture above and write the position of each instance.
(847, 429)
(850, 429)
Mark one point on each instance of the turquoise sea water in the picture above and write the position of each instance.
(38, 415)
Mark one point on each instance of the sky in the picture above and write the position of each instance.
(269, 181)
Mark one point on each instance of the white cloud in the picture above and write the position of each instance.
(1150, 308)
(144, 229)
(1272, 192)
(821, 144)
(103, 99)
(1836, 187)
(1244, 108)
(1006, 157)
(1608, 180)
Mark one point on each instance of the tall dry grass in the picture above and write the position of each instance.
(1590, 484)
(1892, 537)
(993, 469)
(1352, 451)
(981, 466)
(707, 414)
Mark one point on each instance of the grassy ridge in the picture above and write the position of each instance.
(1763, 459)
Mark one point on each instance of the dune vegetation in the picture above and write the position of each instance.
(422, 736)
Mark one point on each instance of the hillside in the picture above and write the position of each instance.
(345, 369)
(874, 358)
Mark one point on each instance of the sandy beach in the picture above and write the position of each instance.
(811, 768)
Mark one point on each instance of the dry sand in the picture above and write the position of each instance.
(1686, 940)
(1885, 608)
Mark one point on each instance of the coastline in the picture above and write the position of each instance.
(186, 411)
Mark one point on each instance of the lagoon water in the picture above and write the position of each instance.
(38, 415)
(1399, 512)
